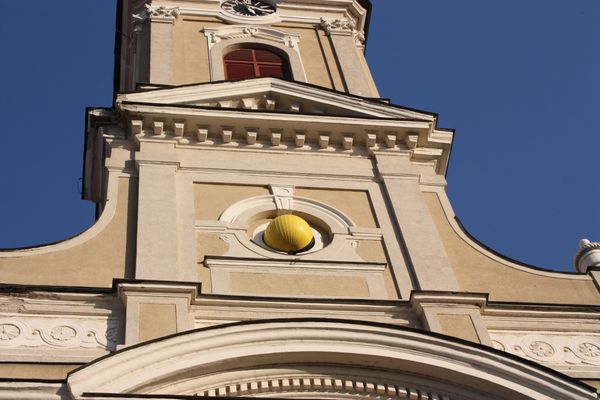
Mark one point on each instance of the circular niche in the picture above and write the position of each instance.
(292, 234)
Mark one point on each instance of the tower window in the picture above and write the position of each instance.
(254, 63)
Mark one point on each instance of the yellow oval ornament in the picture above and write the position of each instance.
(290, 234)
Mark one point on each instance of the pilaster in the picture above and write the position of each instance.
(430, 263)
(159, 22)
(347, 43)
(154, 309)
(453, 314)
(157, 244)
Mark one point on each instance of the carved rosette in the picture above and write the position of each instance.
(9, 332)
(541, 349)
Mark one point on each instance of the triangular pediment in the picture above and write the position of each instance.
(276, 95)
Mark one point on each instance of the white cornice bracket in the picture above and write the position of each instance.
(158, 14)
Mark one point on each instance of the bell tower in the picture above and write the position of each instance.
(177, 42)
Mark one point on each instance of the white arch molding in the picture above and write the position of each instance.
(219, 39)
(338, 226)
(320, 358)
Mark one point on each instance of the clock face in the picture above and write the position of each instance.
(248, 8)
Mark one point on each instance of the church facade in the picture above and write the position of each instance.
(269, 227)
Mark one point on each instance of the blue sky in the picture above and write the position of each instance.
(518, 80)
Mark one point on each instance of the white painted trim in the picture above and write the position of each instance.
(356, 345)
(238, 213)
(32, 391)
(220, 39)
(221, 270)
(204, 92)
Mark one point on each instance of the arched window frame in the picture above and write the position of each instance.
(220, 40)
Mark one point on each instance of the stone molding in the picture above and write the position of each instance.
(180, 295)
(346, 387)
(277, 110)
(343, 27)
(156, 14)
(339, 247)
(223, 268)
(22, 390)
(64, 327)
(574, 354)
(216, 35)
(338, 138)
(354, 345)
(220, 39)
(208, 310)
(58, 332)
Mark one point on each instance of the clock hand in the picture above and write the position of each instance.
(260, 9)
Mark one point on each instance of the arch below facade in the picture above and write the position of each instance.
(317, 358)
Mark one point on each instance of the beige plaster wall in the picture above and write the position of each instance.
(93, 263)
(36, 371)
(317, 57)
(298, 285)
(476, 272)
(356, 204)
(460, 326)
(191, 60)
(210, 200)
(157, 320)
(190, 53)
(373, 251)
(208, 244)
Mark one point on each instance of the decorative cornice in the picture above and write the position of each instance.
(61, 337)
(364, 350)
(343, 27)
(338, 25)
(215, 35)
(161, 14)
(573, 354)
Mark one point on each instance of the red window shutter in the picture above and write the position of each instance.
(235, 71)
(240, 55)
(252, 63)
(275, 71)
(264, 56)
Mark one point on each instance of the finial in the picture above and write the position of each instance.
(587, 256)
